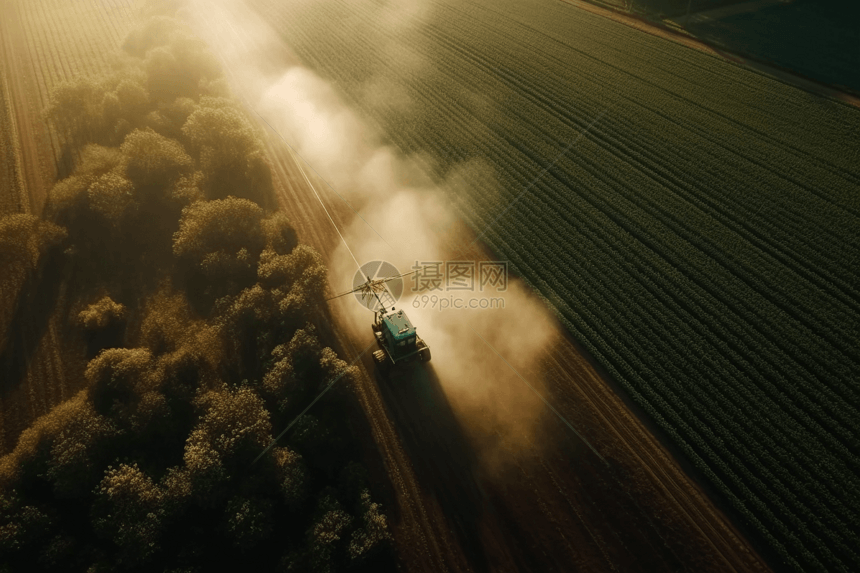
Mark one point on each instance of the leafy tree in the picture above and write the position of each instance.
(310, 435)
(178, 111)
(327, 535)
(297, 281)
(115, 376)
(112, 197)
(153, 162)
(29, 459)
(249, 520)
(373, 535)
(133, 100)
(281, 237)
(185, 439)
(180, 374)
(206, 472)
(74, 109)
(104, 324)
(97, 160)
(24, 240)
(68, 202)
(102, 314)
(176, 488)
(196, 62)
(306, 278)
(296, 362)
(217, 126)
(21, 525)
(158, 122)
(176, 61)
(78, 450)
(283, 271)
(227, 226)
(245, 320)
(186, 189)
(164, 74)
(150, 421)
(218, 243)
(292, 475)
(166, 321)
(96, 208)
(300, 368)
(230, 152)
(128, 511)
(234, 428)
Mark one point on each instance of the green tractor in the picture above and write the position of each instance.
(397, 340)
(394, 333)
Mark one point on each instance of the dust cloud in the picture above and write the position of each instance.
(405, 219)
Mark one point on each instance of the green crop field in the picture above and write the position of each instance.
(701, 239)
(817, 38)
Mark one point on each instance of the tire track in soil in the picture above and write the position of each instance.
(664, 476)
(424, 542)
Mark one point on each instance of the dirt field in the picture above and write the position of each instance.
(558, 507)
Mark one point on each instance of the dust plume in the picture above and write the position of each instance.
(405, 217)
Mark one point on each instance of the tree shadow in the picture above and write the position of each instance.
(112, 336)
(66, 163)
(34, 307)
(445, 464)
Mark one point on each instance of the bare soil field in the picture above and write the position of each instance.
(11, 173)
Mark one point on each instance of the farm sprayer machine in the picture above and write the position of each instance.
(395, 335)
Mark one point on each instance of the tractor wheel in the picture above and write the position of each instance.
(381, 360)
(424, 351)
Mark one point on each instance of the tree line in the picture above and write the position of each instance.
(195, 304)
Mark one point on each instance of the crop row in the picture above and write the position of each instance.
(67, 40)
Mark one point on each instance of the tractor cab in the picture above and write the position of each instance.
(397, 339)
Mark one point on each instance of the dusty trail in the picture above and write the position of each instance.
(557, 508)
